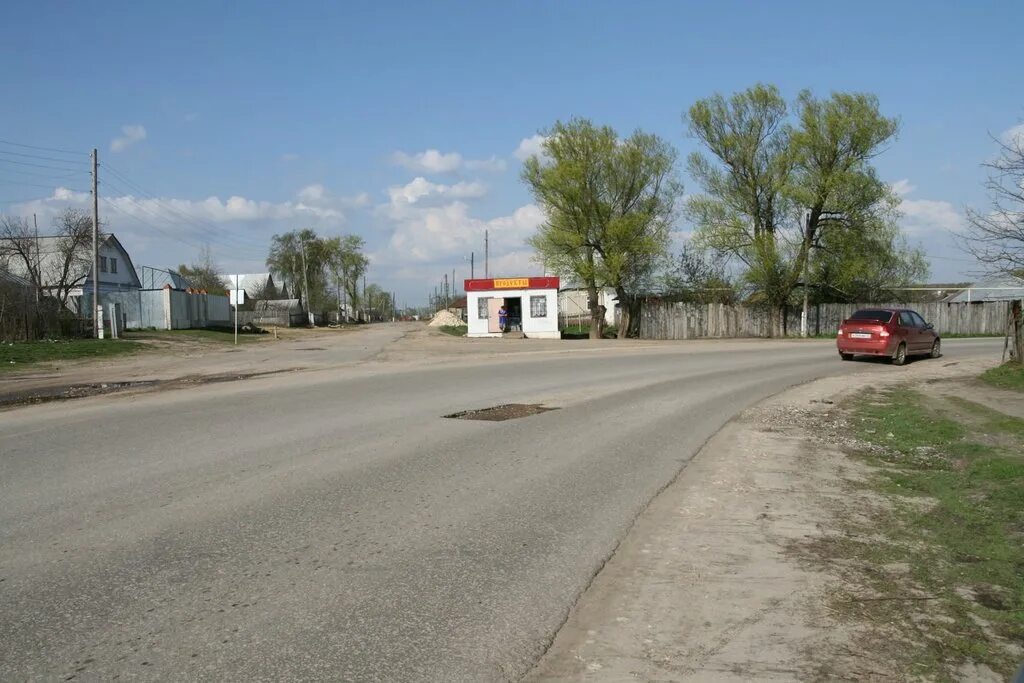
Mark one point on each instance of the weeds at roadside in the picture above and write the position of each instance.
(932, 557)
(1006, 376)
(19, 355)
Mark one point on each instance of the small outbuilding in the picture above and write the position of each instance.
(519, 306)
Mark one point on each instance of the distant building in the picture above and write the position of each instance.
(1003, 288)
(256, 285)
(573, 304)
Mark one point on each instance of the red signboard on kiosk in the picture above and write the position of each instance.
(497, 284)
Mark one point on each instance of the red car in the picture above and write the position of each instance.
(890, 332)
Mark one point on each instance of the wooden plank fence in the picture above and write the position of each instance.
(660, 320)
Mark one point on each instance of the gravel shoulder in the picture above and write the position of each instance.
(706, 585)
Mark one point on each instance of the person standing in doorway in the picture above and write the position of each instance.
(503, 317)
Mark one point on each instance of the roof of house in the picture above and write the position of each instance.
(51, 259)
(9, 278)
(1002, 288)
(252, 283)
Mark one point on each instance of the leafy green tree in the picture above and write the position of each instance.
(609, 205)
(775, 184)
(347, 264)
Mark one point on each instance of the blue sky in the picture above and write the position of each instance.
(224, 123)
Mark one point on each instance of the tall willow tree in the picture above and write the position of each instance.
(777, 182)
(609, 204)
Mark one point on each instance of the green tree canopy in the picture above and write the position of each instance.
(314, 265)
(609, 205)
(776, 183)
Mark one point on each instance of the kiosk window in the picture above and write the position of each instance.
(538, 307)
(481, 308)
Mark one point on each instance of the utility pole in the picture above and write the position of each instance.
(487, 255)
(365, 308)
(39, 264)
(455, 288)
(96, 329)
(807, 271)
(472, 268)
(446, 290)
(305, 283)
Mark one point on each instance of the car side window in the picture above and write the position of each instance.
(906, 320)
(918, 320)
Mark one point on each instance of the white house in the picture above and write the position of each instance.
(529, 304)
(64, 270)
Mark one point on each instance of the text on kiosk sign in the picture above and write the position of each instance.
(512, 283)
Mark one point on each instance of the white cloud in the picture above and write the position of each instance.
(435, 234)
(1014, 135)
(233, 225)
(289, 156)
(924, 216)
(131, 134)
(494, 164)
(902, 187)
(319, 196)
(420, 189)
(530, 147)
(430, 161)
(435, 161)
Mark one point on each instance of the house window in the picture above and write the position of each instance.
(113, 265)
(103, 264)
(538, 307)
(481, 308)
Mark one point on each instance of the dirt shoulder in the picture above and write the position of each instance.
(730, 575)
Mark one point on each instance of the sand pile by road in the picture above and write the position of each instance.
(445, 318)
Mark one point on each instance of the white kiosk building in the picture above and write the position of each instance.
(526, 306)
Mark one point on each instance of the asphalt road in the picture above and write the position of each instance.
(332, 525)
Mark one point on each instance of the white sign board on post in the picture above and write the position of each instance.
(236, 297)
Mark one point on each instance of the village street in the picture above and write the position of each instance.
(332, 524)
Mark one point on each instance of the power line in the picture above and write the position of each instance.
(35, 174)
(22, 201)
(44, 149)
(29, 163)
(228, 241)
(126, 196)
(36, 156)
(5, 181)
(205, 237)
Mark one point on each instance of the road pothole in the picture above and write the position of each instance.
(506, 411)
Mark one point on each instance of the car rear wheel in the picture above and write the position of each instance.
(937, 349)
(900, 357)
(846, 356)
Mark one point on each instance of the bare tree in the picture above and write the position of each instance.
(54, 264)
(68, 262)
(996, 237)
(19, 249)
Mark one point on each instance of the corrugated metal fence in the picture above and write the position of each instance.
(659, 320)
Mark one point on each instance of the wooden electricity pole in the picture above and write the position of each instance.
(96, 331)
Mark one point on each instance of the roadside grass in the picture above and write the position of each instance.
(224, 335)
(952, 520)
(17, 355)
(455, 330)
(1006, 376)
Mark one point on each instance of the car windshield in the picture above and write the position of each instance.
(872, 316)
